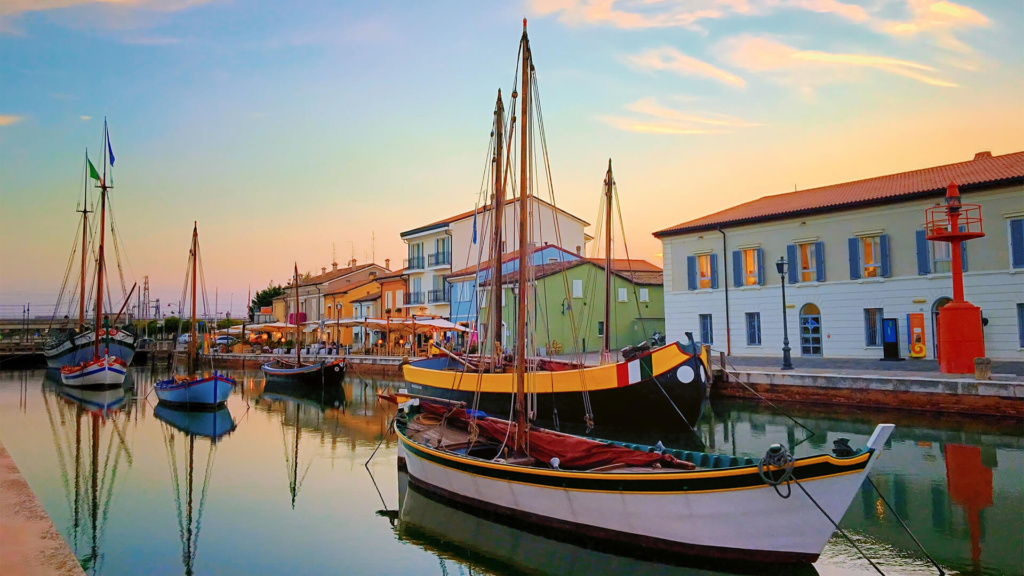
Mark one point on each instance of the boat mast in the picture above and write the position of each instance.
(298, 352)
(609, 182)
(85, 235)
(99, 257)
(524, 196)
(193, 332)
(498, 210)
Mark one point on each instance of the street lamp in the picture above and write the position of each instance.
(787, 362)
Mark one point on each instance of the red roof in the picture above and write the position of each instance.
(643, 273)
(482, 209)
(506, 258)
(983, 169)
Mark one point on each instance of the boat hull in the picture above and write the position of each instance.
(209, 424)
(729, 513)
(320, 374)
(79, 348)
(104, 372)
(640, 390)
(206, 391)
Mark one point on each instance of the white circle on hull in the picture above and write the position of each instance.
(685, 374)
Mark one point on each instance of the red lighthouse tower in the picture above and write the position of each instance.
(959, 325)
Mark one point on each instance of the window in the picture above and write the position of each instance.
(806, 262)
(942, 257)
(399, 297)
(600, 328)
(387, 300)
(623, 295)
(706, 335)
(645, 295)
(810, 330)
(704, 261)
(751, 269)
(577, 288)
(808, 270)
(1017, 244)
(753, 328)
(502, 297)
(1020, 324)
(702, 271)
(872, 326)
(870, 256)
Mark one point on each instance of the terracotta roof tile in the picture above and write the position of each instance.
(481, 210)
(504, 259)
(984, 168)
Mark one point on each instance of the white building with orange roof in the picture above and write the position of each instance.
(857, 259)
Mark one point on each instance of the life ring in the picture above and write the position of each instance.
(337, 369)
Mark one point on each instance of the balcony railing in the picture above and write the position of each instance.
(439, 295)
(439, 259)
(414, 263)
(413, 298)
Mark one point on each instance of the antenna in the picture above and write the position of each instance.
(373, 246)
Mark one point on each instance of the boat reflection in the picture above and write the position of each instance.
(208, 426)
(91, 444)
(484, 546)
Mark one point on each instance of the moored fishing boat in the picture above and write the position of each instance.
(106, 371)
(322, 373)
(194, 390)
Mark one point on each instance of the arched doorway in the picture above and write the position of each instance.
(935, 323)
(810, 330)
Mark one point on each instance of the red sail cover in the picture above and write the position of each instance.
(573, 452)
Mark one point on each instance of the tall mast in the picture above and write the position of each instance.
(298, 352)
(498, 210)
(99, 252)
(609, 183)
(85, 244)
(193, 332)
(524, 196)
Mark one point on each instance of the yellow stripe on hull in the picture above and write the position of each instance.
(593, 378)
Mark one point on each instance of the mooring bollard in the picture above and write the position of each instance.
(982, 368)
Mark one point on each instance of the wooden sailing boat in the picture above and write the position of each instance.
(195, 390)
(103, 369)
(653, 500)
(210, 426)
(69, 346)
(322, 373)
(667, 382)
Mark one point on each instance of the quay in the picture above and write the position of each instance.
(29, 543)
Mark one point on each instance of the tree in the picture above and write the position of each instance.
(227, 323)
(171, 324)
(263, 298)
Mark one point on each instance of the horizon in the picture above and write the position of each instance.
(323, 132)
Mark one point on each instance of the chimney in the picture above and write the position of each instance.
(323, 270)
(387, 264)
(982, 155)
(334, 265)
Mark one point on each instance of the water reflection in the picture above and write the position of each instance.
(90, 440)
(209, 426)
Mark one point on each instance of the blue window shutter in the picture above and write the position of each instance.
(691, 272)
(737, 268)
(923, 259)
(794, 263)
(1017, 243)
(963, 251)
(714, 271)
(819, 257)
(854, 244)
(759, 257)
(883, 247)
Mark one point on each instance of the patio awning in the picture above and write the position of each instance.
(399, 325)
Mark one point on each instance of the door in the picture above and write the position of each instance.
(935, 324)
(810, 330)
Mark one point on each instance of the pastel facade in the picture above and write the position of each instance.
(857, 254)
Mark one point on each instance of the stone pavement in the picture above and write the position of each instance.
(931, 367)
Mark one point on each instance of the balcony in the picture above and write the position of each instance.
(439, 259)
(414, 298)
(414, 263)
(438, 296)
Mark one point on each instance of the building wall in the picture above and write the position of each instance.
(397, 288)
(344, 301)
(990, 281)
(426, 276)
(556, 322)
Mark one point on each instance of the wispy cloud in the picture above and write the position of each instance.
(11, 9)
(85, 118)
(670, 59)
(651, 117)
(8, 119)
(808, 68)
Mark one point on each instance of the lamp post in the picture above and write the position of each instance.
(787, 361)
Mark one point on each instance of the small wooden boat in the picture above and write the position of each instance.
(322, 373)
(106, 371)
(194, 390)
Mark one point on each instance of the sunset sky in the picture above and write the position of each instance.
(289, 128)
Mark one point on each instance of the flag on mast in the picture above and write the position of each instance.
(110, 149)
(93, 173)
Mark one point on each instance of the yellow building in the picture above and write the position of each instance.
(340, 304)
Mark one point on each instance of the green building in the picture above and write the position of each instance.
(567, 305)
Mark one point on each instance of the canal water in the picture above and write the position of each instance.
(276, 484)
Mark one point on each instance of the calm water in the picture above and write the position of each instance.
(276, 484)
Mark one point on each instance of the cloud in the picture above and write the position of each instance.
(8, 119)
(650, 117)
(11, 9)
(807, 68)
(931, 15)
(634, 14)
(85, 118)
(672, 60)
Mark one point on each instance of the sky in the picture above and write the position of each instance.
(296, 131)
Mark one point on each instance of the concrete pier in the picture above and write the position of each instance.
(29, 543)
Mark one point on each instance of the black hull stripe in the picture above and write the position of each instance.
(636, 545)
(682, 481)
